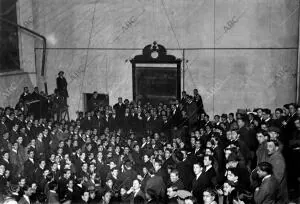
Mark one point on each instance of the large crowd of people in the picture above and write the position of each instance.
(149, 153)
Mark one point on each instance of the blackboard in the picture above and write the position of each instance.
(156, 84)
(155, 75)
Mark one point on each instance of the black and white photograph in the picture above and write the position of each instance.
(149, 102)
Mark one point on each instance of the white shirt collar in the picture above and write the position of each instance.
(208, 168)
(268, 176)
(198, 176)
(26, 198)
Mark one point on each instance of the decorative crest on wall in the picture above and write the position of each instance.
(155, 53)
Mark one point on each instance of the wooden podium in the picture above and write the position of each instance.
(156, 76)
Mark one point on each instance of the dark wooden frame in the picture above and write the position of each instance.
(162, 58)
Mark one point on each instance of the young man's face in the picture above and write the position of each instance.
(197, 169)
(171, 193)
(297, 124)
(234, 135)
(260, 138)
(277, 114)
(261, 173)
(173, 177)
(207, 198)
(206, 161)
(157, 166)
(292, 109)
(265, 115)
(136, 185)
(271, 148)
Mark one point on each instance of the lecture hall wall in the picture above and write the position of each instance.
(254, 62)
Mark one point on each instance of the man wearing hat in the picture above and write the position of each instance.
(267, 117)
(61, 84)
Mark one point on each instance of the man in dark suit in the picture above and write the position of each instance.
(166, 127)
(277, 161)
(160, 171)
(25, 96)
(175, 115)
(35, 95)
(29, 166)
(14, 133)
(3, 127)
(29, 132)
(156, 122)
(219, 158)
(183, 98)
(139, 121)
(168, 159)
(61, 85)
(185, 168)
(126, 120)
(128, 176)
(94, 102)
(209, 171)
(14, 160)
(4, 142)
(120, 109)
(267, 117)
(27, 193)
(198, 152)
(113, 123)
(97, 122)
(106, 119)
(198, 99)
(52, 197)
(279, 118)
(87, 122)
(200, 183)
(38, 173)
(155, 183)
(269, 190)
(148, 123)
(245, 135)
(135, 191)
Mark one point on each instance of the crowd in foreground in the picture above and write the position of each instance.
(144, 153)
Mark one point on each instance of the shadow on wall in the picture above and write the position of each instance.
(11, 87)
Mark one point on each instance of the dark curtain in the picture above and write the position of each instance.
(9, 43)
